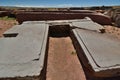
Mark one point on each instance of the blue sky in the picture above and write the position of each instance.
(58, 3)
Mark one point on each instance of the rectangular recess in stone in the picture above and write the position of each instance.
(10, 35)
(12, 32)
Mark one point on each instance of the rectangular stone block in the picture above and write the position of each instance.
(98, 52)
(23, 57)
(87, 24)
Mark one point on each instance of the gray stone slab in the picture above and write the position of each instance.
(34, 22)
(24, 54)
(32, 30)
(101, 50)
(58, 22)
(24, 28)
(12, 31)
(87, 24)
(67, 21)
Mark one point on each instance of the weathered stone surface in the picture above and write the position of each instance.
(25, 29)
(87, 24)
(4, 13)
(23, 55)
(12, 32)
(115, 15)
(117, 20)
(33, 22)
(101, 52)
(61, 15)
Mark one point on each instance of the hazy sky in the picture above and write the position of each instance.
(58, 3)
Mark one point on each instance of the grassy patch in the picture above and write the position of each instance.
(73, 53)
(6, 18)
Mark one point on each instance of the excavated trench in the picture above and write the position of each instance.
(62, 63)
(59, 30)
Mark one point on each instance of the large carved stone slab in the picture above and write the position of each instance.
(98, 52)
(87, 24)
(23, 56)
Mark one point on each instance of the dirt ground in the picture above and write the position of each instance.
(5, 25)
(63, 63)
(113, 31)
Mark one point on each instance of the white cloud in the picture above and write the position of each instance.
(60, 5)
(29, 6)
(65, 5)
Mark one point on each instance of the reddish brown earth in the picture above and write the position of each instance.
(63, 63)
(112, 30)
(6, 24)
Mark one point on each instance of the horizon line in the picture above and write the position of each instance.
(50, 6)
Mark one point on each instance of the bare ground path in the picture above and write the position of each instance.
(63, 63)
